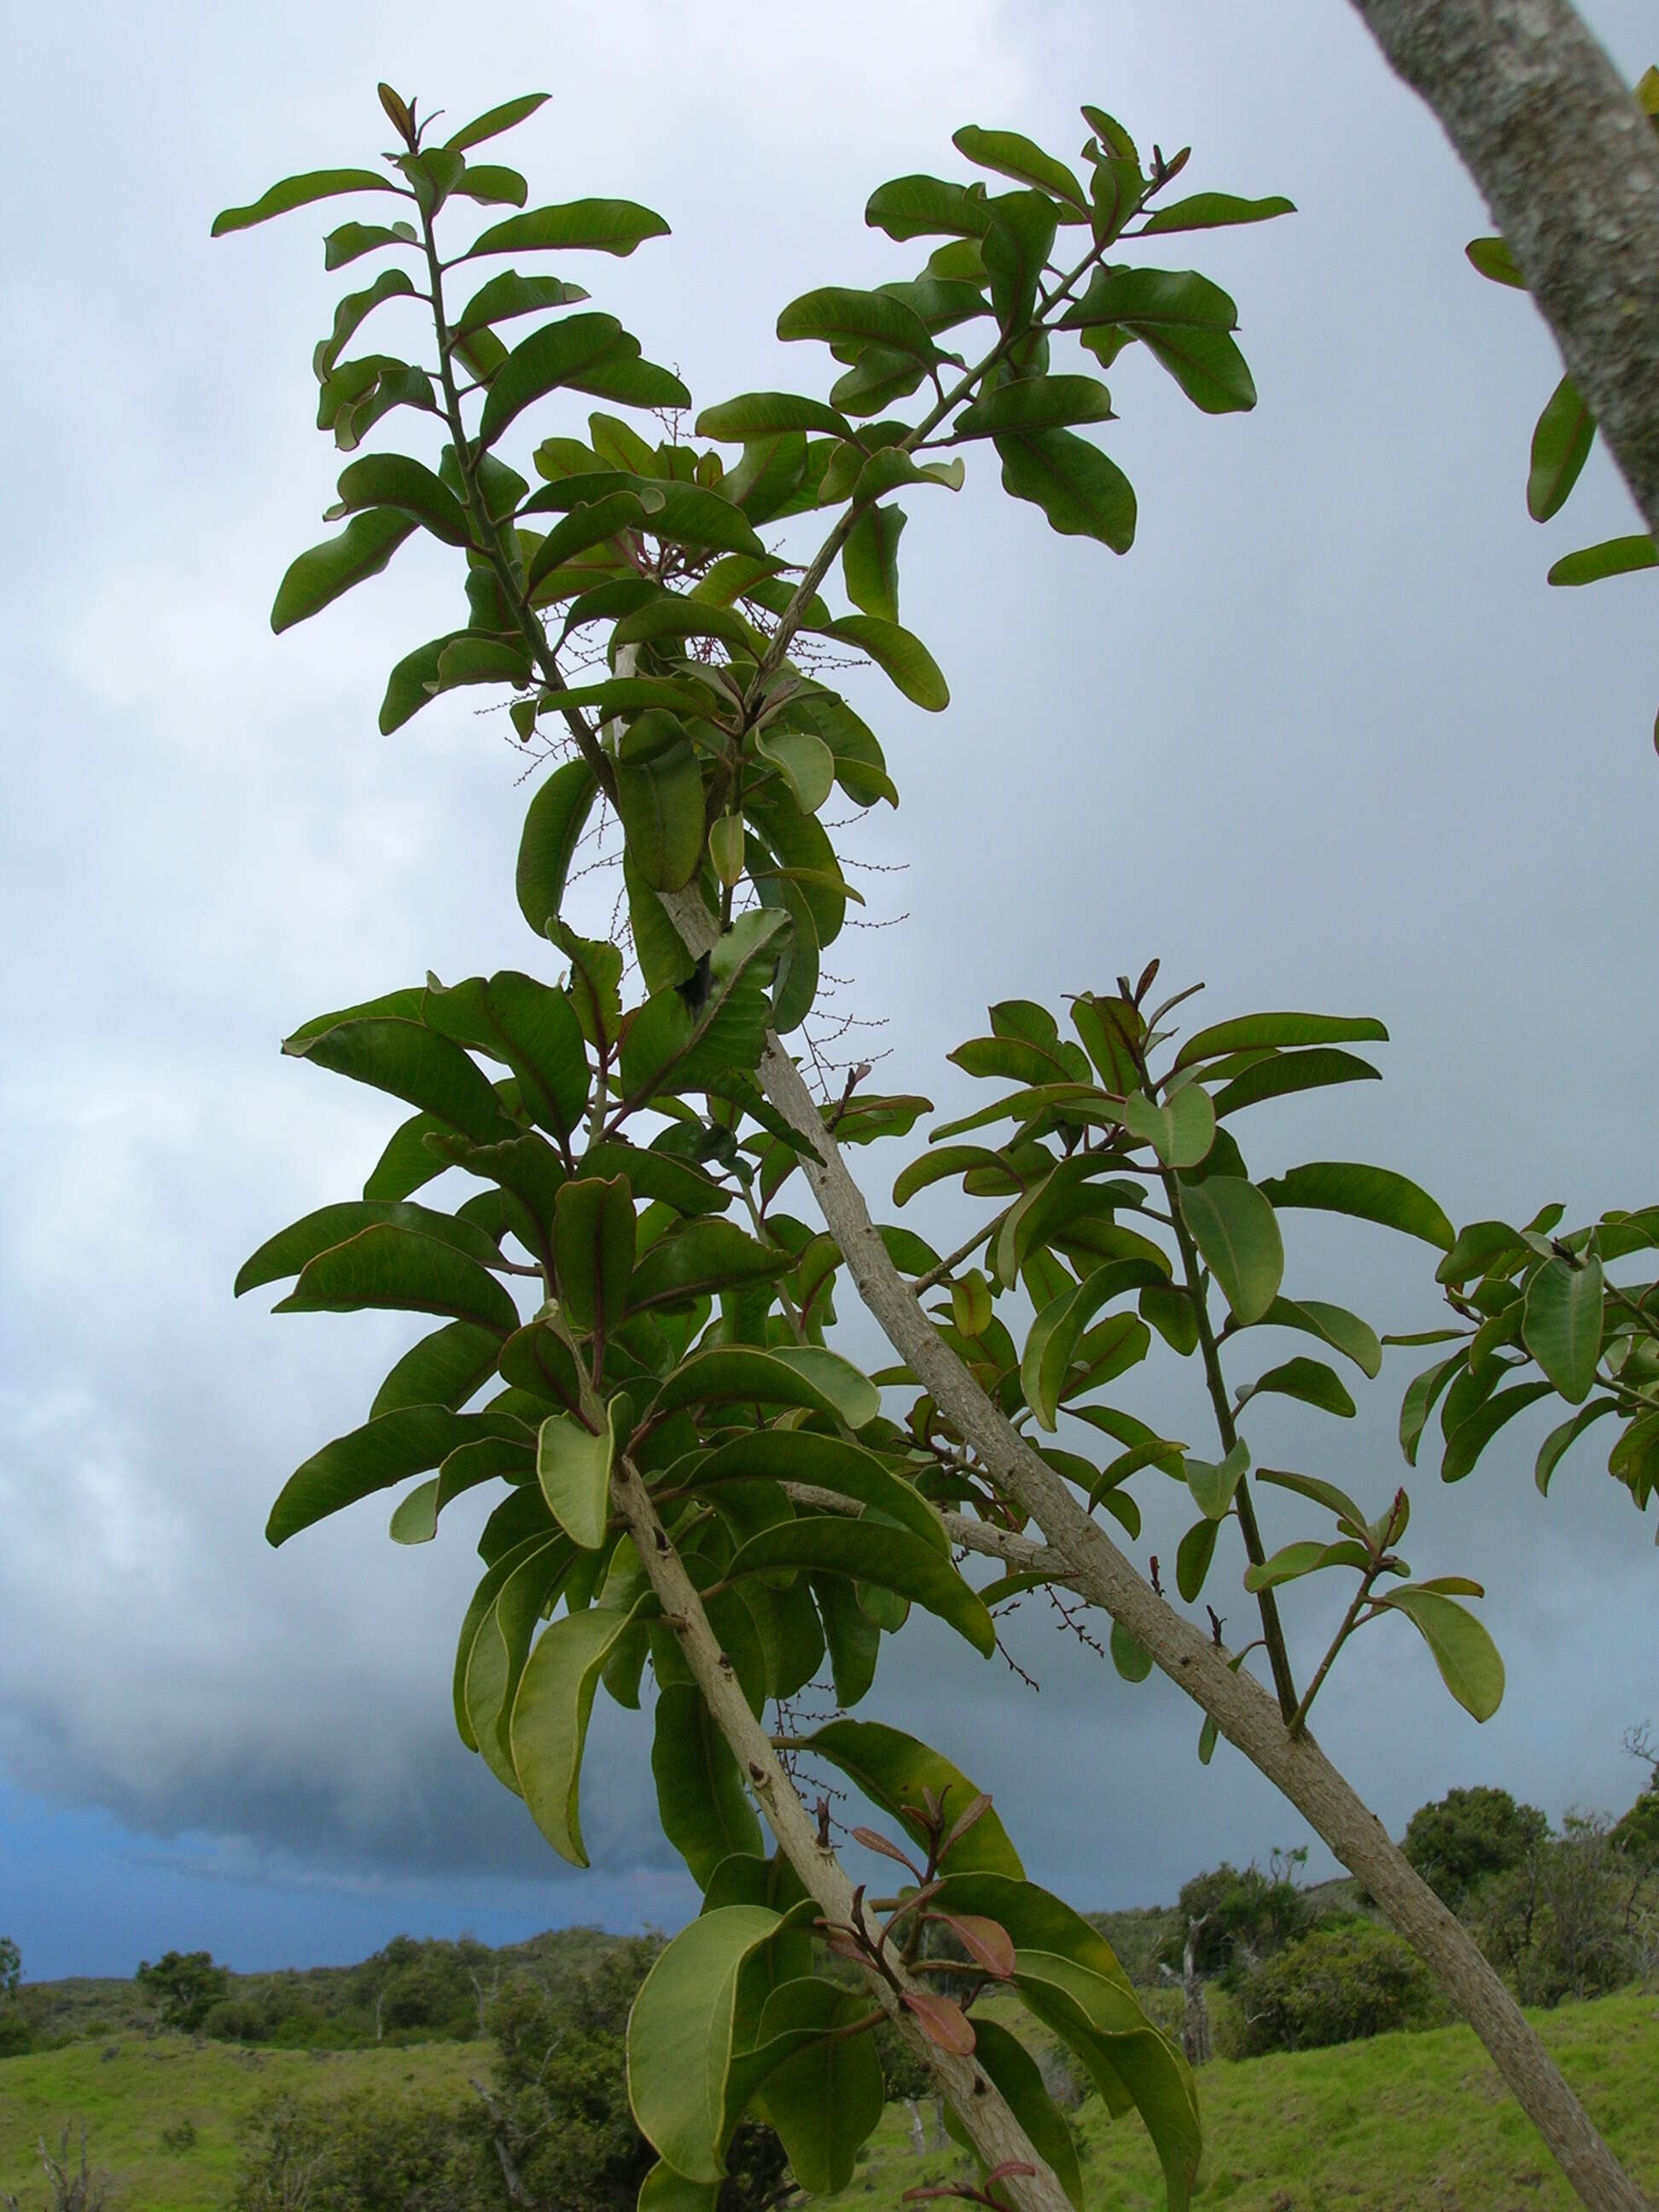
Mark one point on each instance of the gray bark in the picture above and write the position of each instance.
(1570, 167)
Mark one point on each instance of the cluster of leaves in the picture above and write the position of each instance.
(629, 603)
(1539, 1315)
(1234, 1918)
(184, 1986)
(1466, 1837)
(1565, 431)
(1126, 1200)
(1342, 1981)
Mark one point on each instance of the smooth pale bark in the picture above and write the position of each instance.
(1570, 167)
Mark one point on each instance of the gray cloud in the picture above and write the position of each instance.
(1325, 737)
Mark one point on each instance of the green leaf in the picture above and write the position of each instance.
(413, 1063)
(1471, 1436)
(1213, 1483)
(668, 1047)
(1343, 1331)
(1482, 1247)
(490, 1661)
(683, 2034)
(1326, 1494)
(835, 315)
(1419, 1401)
(1272, 1032)
(1613, 556)
(826, 2098)
(380, 1454)
(894, 1771)
(1287, 1565)
(547, 1732)
(1012, 155)
(444, 1369)
(765, 414)
(861, 1550)
(1165, 301)
(705, 1812)
(495, 120)
(584, 526)
(1560, 447)
(1366, 1192)
(573, 1466)
(1233, 1225)
(301, 192)
(290, 1250)
(1129, 1656)
(1282, 1073)
(594, 1233)
(590, 226)
(869, 561)
(1192, 1556)
(1310, 1380)
(1036, 403)
(928, 207)
(397, 1270)
(1562, 1325)
(1468, 1660)
(659, 799)
(851, 1638)
(806, 763)
(900, 656)
(699, 1260)
(392, 480)
(552, 831)
(1016, 248)
(349, 316)
(1082, 493)
(827, 1463)
(809, 1376)
(362, 549)
(1551, 1451)
(529, 1028)
(353, 239)
(1213, 211)
(502, 298)
(557, 354)
(1053, 1342)
(1181, 1130)
(1493, 258)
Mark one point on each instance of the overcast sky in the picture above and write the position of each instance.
(1324, 739)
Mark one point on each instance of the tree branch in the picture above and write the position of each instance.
(1570, 167)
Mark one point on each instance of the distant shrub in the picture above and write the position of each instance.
(15, 2039)
(1241, 1918)
(1467, 1836)
(371, 2150)
(1575, 1920)
(184, 1986)
(1336, 1985)
(179, 2138)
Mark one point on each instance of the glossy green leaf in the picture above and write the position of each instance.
(699, 1260)
(290, 1250)
(490, 1670)
(1470, 1437)
(301, 192)
(1468, 1660)
(826, 1463)
(591, 226)
(835, 315)
(705, 1811)
(1214, 211)
(1555, 1445)
(445, 1369)
(806, 763)
(1493, 258)
(659, 798)
(1343, 1331)
(375, 1457)
(1053, 1342)
(901, 656)
(1161, 300)
(547, 1732)
(1274, 1032)
(1283, 1073)
(765, 414)
(1560, 447)
(1562, 1326)
(1346, 1509)
(573, 1466)
(1233, 1225)
(861, 1550)
(413, 1063)
(594, 1231)
(392, 480)
(1193, 1557)
(555, 354)
(894, 1771)
(582, 528)
(826, 2098)
(668, 1047)
(928, 207)
(1003, 2056)
(851, 1638)
(1613, 556)
(683, 2034)
(1310, 1380)
(1366, 1192)
(1132, 1661)
(1419, 1402)
(320, 576)
(1213, 1483)
(397, 1270)
(726, 1372)
(353, 239)
(869, 561)
(495, 120)
(1081, 492)
(1010, 154)
(1015, 250)
(1036, 403)
(348, 317)
(553, 828)
(1180, 1128)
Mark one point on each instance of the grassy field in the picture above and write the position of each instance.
(1406, 2121)
(130, 2089)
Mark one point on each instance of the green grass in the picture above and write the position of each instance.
(1404, 2124)
(129, 2089)
(1401, 2123)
